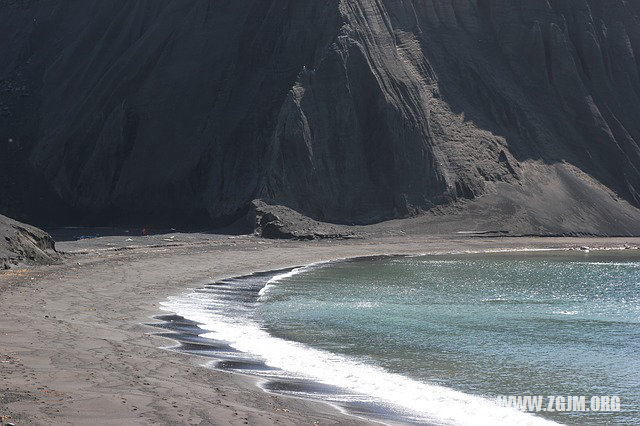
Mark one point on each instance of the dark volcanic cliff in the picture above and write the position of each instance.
(347, 111)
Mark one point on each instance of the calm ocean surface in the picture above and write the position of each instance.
(438, 338)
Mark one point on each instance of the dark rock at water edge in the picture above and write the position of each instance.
(347, 111)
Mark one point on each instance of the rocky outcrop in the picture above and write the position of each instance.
(20, 243)
(279, 222)
(350, 111)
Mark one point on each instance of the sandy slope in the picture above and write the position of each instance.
(73, 347)
(20, 243)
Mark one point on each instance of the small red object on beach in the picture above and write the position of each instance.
(144, 231)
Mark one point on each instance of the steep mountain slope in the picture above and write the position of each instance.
(348, 111)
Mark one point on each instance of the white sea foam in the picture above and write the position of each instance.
(632, 264)
(277, 278)
(422, 401)
(365, 305)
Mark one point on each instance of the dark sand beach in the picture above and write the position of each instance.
(301, 132)
(74, 347)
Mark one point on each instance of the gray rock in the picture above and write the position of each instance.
(20, 243)
(279, 222)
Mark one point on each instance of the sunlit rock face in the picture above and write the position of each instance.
(348, 111)
(24, 244)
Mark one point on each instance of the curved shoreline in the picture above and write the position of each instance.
(215, 354)
(216, 359)
(74, 350)
(222, 355)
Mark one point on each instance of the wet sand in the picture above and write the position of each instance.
(74, 348)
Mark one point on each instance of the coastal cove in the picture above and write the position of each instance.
(315, 213)
(415, 339)
(92, 310)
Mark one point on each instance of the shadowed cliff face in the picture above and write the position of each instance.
(347, 111)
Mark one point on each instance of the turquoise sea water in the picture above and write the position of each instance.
(442, 336)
